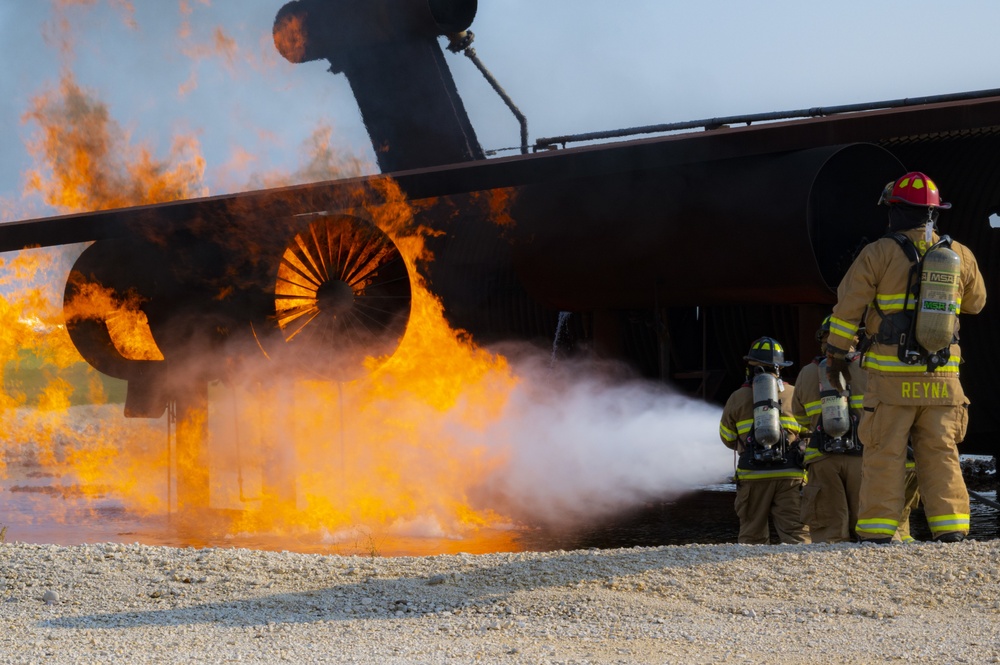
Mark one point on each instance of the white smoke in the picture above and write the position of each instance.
(586, 442)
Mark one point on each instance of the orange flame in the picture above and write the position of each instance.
(89, 164)
(126, 322)
(86, 162)
(393, 455)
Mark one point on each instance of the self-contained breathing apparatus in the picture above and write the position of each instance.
(925, 333)
(925, 336)
(767, 439)
(836, 432)
(767, 442)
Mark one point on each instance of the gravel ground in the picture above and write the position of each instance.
(104, 603)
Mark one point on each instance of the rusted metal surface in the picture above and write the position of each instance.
(945, 123)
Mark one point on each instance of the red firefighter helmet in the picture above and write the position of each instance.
(915, 189)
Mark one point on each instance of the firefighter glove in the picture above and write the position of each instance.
(836, 370)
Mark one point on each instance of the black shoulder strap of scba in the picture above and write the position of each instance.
(910, 249)
(889, 330)
(913, 254)
(906, 245)
(909, 351)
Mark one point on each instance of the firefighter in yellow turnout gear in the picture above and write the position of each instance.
(830, 498)
(757, 423)
(913, 394)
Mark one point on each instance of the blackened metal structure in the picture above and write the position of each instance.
(672, 252)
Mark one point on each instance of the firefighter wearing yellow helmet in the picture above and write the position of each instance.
(910, 305)
(757, 423)
(833, 454)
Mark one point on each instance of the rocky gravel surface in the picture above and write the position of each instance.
(116, 603)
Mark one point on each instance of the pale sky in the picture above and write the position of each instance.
(570, 65)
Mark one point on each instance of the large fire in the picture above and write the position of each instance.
(362, 463)
(393, 454)
(437, 446)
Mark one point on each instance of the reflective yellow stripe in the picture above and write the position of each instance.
(812, 408)
(893, 302)
(812, 454)
(885, 363)
(726, 433)
(743, 427)
(840, 329)
(879, 527)
(842, 326)
(947, 523)
(768, 474)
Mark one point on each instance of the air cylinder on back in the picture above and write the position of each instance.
(836, 416)
(937, 308)
(766, 410)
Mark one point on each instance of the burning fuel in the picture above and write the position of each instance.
(86, 161)
(436, 438)
(443, 440)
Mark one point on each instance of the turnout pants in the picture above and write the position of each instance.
(830, 498)
(777, 498)
(911, 499)
(933, 433)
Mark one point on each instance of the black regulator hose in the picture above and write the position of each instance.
(982, 499)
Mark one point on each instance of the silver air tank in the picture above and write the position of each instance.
(937, 307)
(766, 410)
(836, 416)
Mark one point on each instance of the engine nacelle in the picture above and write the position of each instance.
(164, 316)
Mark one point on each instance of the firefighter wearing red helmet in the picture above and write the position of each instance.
(758, 424)
(909, 287)
(914, 189)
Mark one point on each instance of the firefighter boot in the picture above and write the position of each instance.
(953, 537)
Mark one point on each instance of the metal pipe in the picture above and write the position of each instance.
(463, 42)
(521, 119)
(716, 123)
